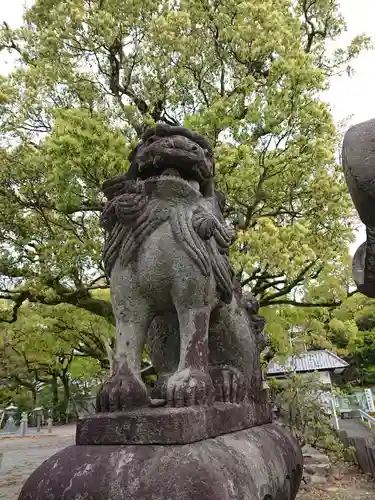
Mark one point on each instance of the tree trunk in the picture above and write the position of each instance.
(33, 395)
(55, 398)
(66, 386)
(99, 307)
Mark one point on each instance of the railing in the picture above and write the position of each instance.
(366, 417)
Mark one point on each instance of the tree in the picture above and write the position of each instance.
(352, 332)
(91, 75)
(348, 330)
(304, 409)
(57, 347)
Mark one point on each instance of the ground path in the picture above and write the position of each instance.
(20, 456)
(355, 427)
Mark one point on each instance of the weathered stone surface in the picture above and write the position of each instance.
(172, 284)
(317, 467)
(171, 425)
(358, 159)
(256, 464)
(361, 448)
(316, 480)
(312, 455)
(371, 457)
(361, 451)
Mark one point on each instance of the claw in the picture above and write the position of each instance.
(229, 383)
(188, 388)
(122, 392)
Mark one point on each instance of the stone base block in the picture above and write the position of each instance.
(262, 463)
(171, 425)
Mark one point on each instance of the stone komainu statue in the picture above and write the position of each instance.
(173, 287)
(172, 284)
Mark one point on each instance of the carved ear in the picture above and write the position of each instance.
(221, 200)
(259, 324)
(250, 303)
(115, 186)
(208, 190)
(148, 132)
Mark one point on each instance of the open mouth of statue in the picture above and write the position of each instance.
(171, 156)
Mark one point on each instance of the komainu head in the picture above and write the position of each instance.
(169, 151)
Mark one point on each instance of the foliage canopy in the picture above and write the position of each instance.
(91, 74)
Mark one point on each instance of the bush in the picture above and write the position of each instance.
(301, 400)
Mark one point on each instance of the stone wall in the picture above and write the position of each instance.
(361, 451)
(317, 468)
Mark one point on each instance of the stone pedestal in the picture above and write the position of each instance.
(226, 451)
(261, 463)
(171, 425)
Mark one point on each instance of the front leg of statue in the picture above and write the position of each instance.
(191, 384)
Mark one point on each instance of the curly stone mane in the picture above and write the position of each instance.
(141, 207)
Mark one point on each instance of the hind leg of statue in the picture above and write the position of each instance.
(191, 384)
(227, 377)
(125, 390)
(163, 344)
(226, 362)
(230, 384)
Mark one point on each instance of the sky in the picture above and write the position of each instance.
(351, 98)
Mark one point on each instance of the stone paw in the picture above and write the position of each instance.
(229, 384)
(122, 392)
(188, 387)
(159, 391)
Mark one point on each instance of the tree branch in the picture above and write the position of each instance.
(288, 288)
(296, 303)
(311, 30)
